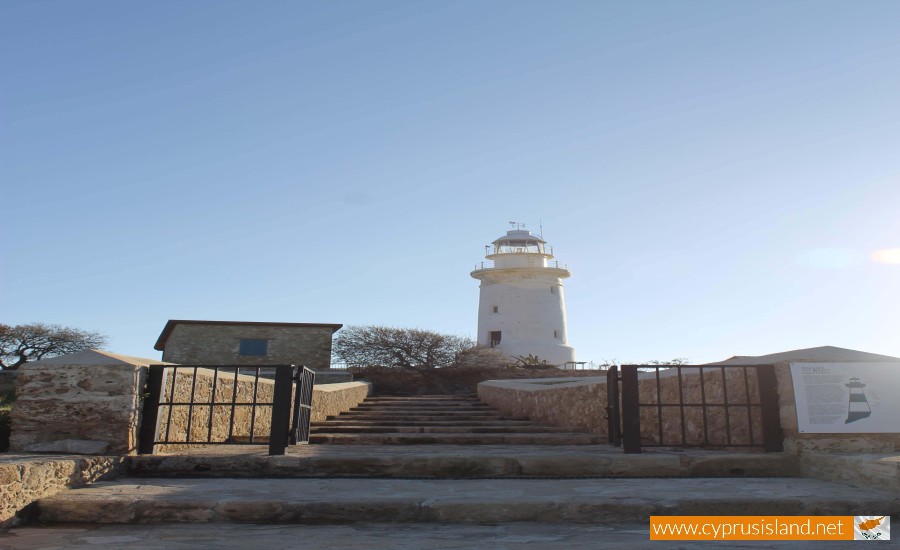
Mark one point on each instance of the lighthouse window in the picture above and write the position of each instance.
(552, 290)
(556, 334)
(496, 309)
(254, 347)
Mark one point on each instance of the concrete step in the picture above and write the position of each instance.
(335, 501)
(421, 417)
(441, 429)
(430, 407)
(459, 462)
(458, 439)
(366, 422)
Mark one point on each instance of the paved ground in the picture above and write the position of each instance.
(531, 536)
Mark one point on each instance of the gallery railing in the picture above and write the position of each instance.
(226, 405)
(707, 406)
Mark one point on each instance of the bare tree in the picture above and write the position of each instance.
(20, 344)
(365, 346)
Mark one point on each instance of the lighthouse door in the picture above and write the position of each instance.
(495, 338)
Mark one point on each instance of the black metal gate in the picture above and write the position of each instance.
(303, 407)
(692, 406)
(226, 405)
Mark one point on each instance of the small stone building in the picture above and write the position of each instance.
(247, 343)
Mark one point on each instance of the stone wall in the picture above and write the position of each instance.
(25, 479)
(91, 403)
(87, 404)
(572, 402)
(219, 344)
(333, 399)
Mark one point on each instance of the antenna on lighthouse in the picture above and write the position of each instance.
(541, 228)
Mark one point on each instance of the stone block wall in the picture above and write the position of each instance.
(93, 409)
(25, 479)
(219, 344)
(575, 402)
(333, 399)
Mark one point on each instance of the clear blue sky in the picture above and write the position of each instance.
(717, 175)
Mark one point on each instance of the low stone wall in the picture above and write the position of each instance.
(91, 409)
(333, 399)
(25, 479)
(572, 402)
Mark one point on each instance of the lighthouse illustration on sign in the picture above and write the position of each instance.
(859, 406)
(521, 307)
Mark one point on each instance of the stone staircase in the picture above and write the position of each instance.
(439, 419)
(476, 470)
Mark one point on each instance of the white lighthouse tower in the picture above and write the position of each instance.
(522, 308)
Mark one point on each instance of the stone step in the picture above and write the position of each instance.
(421, 400)
(425, 406)
(441, 429)
(474, 423)
(458, 439)
(455, 461)
(429, 411)
(436, 402)
(335, 501)
(423, 417)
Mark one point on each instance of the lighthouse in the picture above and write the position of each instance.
(521, 306)
(859, 406)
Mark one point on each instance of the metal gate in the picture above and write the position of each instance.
(703, 406)
(226, 405)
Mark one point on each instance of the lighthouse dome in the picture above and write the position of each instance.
(518, 237)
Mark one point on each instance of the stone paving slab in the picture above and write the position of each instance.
(452, 501)
(453, 461)
(530, 536)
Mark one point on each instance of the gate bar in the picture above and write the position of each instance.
(631, 410)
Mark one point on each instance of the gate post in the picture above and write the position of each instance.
(150, 413)
(613, 417)
(631, 410)
(281, 409)
(773, 437)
